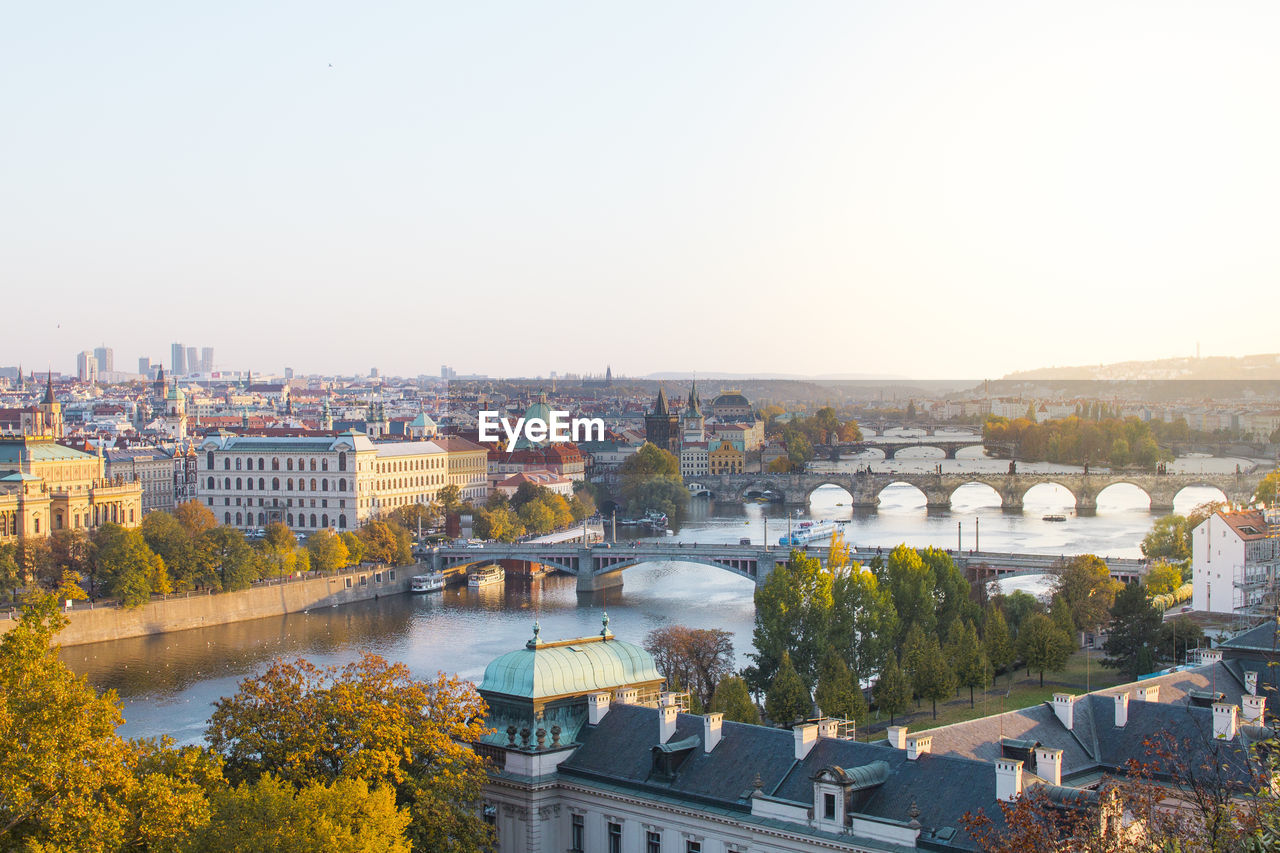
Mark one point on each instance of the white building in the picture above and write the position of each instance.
(1233, 560)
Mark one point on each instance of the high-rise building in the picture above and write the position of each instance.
(106, 358)
(177, 360)
(144, 366)
(288, 373)
(193, 360)
(206, 360)
(87, 367)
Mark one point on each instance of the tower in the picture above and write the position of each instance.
(695, 425)
(51, 409)
(326, 415)
(662, 426)
(175, 412)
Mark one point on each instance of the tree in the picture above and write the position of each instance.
(780, 465)
(1135, 625)
(368, 720)
(416, 516)
(1268, 491)
(1178, 635)
(355, 547)
(911, 588)
(1163, 578)
(793, 612)
(1198, 515)
(914, 651)
(863, 621)
(67, 780)
(1017, 606)
(1088, 590)
(328, 551)
(967, 659)
(386, 542)
(694, 657)
(537, 517)
(69, 551)
(1043, 645)
(997, 643)
(837, 695)
(934, 679)
(787, 699)
(499, 524)
(344, 816)
(233, 564)
(126, 567)
(195, 518)
(732, 699)
(650, 479)
(278, 550)
(1167, 539)
(177, 546)
(892, 693)
(450, 498)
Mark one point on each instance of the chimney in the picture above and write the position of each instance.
(1049, 764)
(1224, 720)
(806, 736)
(667, 722)
(597, 707)
(1150, 693)
(1122, 709)
(918, 745)
(665, 699)
(897, 736)
(1008, 779)
(1208, 656)
(828, 728)
(1254, 709)
(711, 731)
(1064, 705)
(1251, 682)
(626, 696)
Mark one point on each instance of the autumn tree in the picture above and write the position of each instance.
(697, 658)
(232, 562)
(892, 692)
(1163, 578)
(967, 658)
(787, 700)
(195, 518)
(368, 720)
(328, 551)
(997, 643)
(1086, 587)
(386, 542)
(793, 612)
(1268, 491)
(837, 694)
(650, 479)
(732, 699)
(1043, 645)
(1167, 539)
(126, 567)
(278, 550)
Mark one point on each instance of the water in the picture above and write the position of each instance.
(168, 683)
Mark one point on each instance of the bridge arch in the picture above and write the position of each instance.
(923, 450)
(1116, 494)
(976, 493)
(758, 487)
(845, 499)
(1048, 494)
(902, 496)
(1192, 495)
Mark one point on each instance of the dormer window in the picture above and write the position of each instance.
(828, 806)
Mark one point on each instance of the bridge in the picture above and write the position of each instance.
(865, 488)
(600, 566)
(891, 445)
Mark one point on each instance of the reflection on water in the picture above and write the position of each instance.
(169, 683)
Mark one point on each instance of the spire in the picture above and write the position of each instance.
(21, 378)
(695, 405)
(48, 388)
(661, 407)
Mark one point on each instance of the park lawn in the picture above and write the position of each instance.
(1024, 692)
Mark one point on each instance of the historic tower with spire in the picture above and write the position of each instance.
(662, 426)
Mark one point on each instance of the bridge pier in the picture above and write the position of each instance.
(1086, 504)
(588, 582)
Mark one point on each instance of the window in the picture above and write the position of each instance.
(226, 518)
(288, 463)
(237, 463)
(348, 583)
(275, 463)
(275, 483)
(575, 833)
(211, 483)
(652, 842)
(237, 484)
(377, 577)
(828, 806)
(615, 838)
(313, 464)
(226, 483)
(691, 846)
(262, 464)
(324, 464)
(342, 461)
(391, 574)
(226, 464)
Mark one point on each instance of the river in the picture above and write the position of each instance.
(168, 683)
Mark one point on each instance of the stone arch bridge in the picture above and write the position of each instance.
(865, 488)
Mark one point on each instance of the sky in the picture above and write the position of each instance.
(935, 190)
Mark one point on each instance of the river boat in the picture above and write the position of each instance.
(432, 582)
(1055, 517)
(486, 576)
(654, 520)
(808, 531)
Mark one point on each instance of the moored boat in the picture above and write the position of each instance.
(427, 583)
(486, 576)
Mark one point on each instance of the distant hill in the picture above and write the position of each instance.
(1249, 367)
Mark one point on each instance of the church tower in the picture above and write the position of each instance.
(175, 412)
(662, 426)
(695, 425)
(51, 409)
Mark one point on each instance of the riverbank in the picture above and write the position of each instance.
(202, 610)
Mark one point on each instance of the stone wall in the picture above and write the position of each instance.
(199, 610)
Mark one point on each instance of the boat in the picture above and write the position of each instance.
(1055, 517)
(486, 576)
(427, 583)
(654, 520)
(808, 531)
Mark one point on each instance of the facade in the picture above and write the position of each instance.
(662, 426)
(1234, 559)
(336, 481)
(694, 459)
(725, 459)
(151, 467)
(546, 479)
(731, 406)
(177, 359)
(87, 367)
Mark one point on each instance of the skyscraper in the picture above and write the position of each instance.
(144, 366)
(206, 360)
(177, 360)
(106, 358)
(87, 367)
(193, 360)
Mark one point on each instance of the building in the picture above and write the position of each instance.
(545, 479)
(46, 487)
(144, 367)
(150, 467)
(725, 459)
(662, 426)
(86, 367)
(1234, 559)
(177, 359)
(693, 425)
(731, 405)
(106, 359)
(206, 360)
(193, 360)
(338, 481)
(695, 460)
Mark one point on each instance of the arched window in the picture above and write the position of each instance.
(342, 522)
(289, 464)
(209, 459)
(226, 464)
(226, 518)
(324, 485)
(211, 485)
(313, 484)
(313, 464)
(275, 463)
(262, 519)
(342, 461)
(342, 484)
(239, 519)
(261, 484)
(313, 519)
(131, 516)
(226, 483)
(237, 463)
(275, 484)
(262, 464)
(324, 464)
(290, 518)
(302, 464)
(324, 520)
(238, 486)
(289, 484)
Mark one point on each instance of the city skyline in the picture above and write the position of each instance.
(930, 190)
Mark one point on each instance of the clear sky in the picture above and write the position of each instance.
(931, 189)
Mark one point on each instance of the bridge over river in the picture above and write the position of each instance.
(865, 488)
(600, 566)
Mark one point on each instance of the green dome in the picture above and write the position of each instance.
(570, 667)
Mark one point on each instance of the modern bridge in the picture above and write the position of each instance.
(600, 566)
(865, 488)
